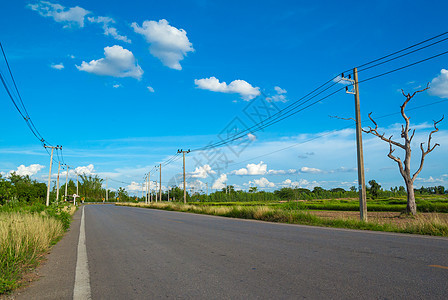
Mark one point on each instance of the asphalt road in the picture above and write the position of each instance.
(136, 253)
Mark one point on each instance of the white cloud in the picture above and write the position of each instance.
(280, 97)
(115, 86)
(439, 85)
(301, 183)
(282, 172)
(310, 170)
(245, 89)
(220, 183)
(22, 170)
(58, 66)
(167, 43)
(134, 186)
(263, 183)
(202, 172)
(72, 56)
(85, 170)
(279, 90)
(109, 30)
(118, 62)
(73, 16)
(252, 169)
(251, 137)
(150, 89)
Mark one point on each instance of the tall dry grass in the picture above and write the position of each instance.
(23, 237)
(431, 225)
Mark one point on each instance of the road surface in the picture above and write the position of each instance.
(135, 253)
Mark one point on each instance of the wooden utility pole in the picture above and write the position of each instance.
(49, 173)
(160, 182)
(57, 188)
(359, 151)
(185, 191)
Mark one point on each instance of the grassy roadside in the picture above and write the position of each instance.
(26, 232)
(425, 226)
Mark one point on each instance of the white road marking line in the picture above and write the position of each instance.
(82, 278)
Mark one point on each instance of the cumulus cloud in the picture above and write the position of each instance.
(279, 97)
(439, 85)
(85, 170)
(73, 16)
(58, 66)
(167, 43)
(220, 183)
(263, 183)
(108, 29)
(245, 89)
(22, 170)
(252, 169)
(150, 89)
(118, 62)
(202, 172)
(134, 186)
(310, 170)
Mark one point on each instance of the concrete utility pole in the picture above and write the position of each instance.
(66, 183)
(149, 187)
(168, 194)
(49, 174)
(155, 191)
(160, 187)
(185, 191)
(107, 192)
(57, 188)
(360, 155)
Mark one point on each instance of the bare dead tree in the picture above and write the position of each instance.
(405, 166)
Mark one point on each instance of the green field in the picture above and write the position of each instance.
(428, 203)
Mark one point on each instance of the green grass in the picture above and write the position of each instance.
(426, 204)
(292, 214)
(26, 232)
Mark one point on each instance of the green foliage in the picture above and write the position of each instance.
(374, 189)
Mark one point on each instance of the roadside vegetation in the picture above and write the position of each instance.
(293, 213)
(28, 228)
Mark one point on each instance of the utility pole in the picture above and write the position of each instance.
(155, 190)
(185, 191)
(206, 184)
(149, 187)
(49, 174)
(57, 188)
(360, 155)
(160, 187)
(66, 182)
(168, 194)
(107, 192)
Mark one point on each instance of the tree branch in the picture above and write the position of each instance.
(428, 149)
(397, 159)
(374, 131)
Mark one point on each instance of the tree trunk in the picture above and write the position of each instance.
(411, 207)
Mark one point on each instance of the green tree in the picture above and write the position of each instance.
(374, 189)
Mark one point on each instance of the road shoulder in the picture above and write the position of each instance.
(56, 275)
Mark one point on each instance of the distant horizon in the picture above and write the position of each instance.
(122, 87)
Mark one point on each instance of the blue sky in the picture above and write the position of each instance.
(123, 85)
